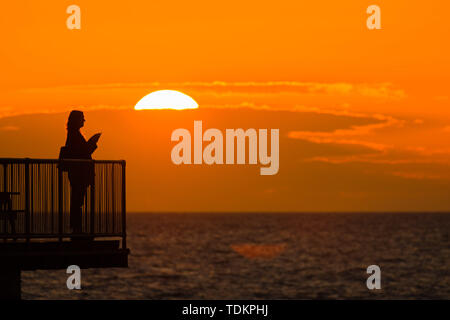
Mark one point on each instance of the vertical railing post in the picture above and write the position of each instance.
(27, 199)
(113, 200)
(5, 180)
(60, 203)
(124, 214)
(93, 203)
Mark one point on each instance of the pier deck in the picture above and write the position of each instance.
(35, 228)
(60, 255)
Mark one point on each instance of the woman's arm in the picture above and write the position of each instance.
(79, 147)
(90, 147)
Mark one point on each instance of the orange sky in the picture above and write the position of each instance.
(364, 115)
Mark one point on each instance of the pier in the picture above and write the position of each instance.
(35, 228)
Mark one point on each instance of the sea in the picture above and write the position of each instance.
(268, 256)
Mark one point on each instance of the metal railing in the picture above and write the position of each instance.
(35, 197)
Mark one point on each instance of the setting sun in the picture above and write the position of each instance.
(166, 99)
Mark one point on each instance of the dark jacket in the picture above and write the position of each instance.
(80, 174)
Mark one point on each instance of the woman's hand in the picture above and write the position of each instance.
(95, 137)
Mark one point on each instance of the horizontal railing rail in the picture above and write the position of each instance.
(34, 160)
(35, 196)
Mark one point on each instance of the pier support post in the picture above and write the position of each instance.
(10, 286)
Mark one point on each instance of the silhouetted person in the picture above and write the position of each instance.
(81, 175)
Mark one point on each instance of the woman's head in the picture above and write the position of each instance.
(76, 120)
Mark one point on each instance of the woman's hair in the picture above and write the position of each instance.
(74, 121)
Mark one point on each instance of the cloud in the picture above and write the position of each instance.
(312, 177)
(275, 95)
(384, 90)
(391, 145)
(375, 158)
(419, 175)
(315, 139)
(9, 111)
(380, 90)
(9, 128)
(350, 136)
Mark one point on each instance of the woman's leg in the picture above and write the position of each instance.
(76, 202)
